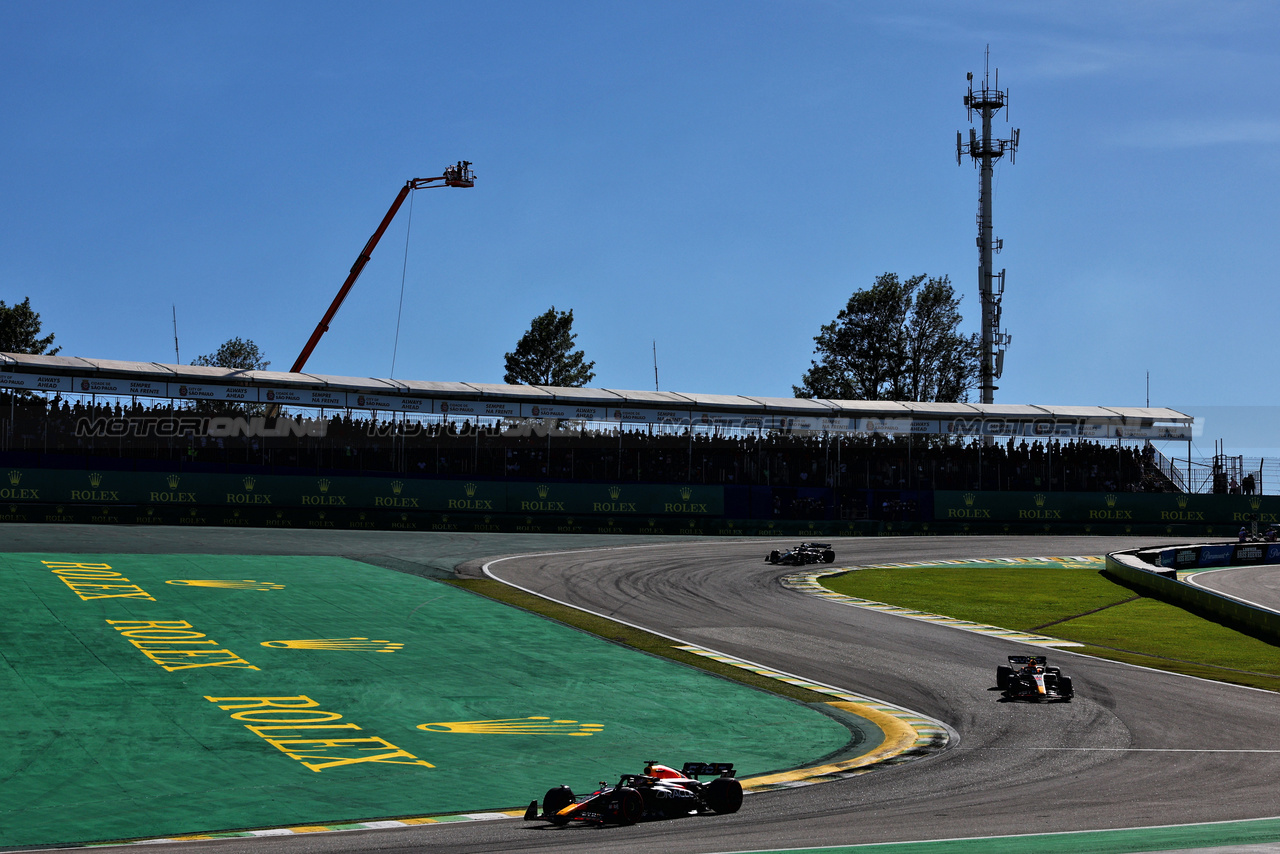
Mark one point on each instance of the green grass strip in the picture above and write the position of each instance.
(1081, 604)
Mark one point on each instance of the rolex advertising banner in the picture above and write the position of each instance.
(107, 496)
(265, 493)
(615, 499)
(1138, 508)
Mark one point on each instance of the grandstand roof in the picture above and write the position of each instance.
(150, 379)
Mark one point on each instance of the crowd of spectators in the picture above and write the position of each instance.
(164, 436)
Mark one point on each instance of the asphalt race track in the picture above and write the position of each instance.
(1136, 747)
(1258, 585)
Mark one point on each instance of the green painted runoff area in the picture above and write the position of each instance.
(324, 672)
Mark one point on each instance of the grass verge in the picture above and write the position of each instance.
(635, 638)
(1079, 604)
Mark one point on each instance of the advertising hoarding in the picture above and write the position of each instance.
(389, 403)
(193, 391)
(562, 410)
(35, 382)
(130, 388)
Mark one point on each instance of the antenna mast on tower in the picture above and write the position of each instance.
(984, 152)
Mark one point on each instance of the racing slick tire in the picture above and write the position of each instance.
(723, 795)
(774, 557)
(1004, 674)
(828, 556)
(628, 806)
(555, 800)
(1065, 688)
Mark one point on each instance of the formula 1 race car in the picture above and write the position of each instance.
(1028, 677)
(803, 554)
(660, 792)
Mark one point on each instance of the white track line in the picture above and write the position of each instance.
(953, 737)
(1191, 579)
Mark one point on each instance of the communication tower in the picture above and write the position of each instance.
(984, 151)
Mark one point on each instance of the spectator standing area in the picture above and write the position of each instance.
(128, 442)
(170, 695)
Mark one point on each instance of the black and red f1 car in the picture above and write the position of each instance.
(660, 792)
(1028, 677)
(802, 554)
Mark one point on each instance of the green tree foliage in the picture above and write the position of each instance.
(239, 353)
(898, 340)
(545, 354)
(20, 330)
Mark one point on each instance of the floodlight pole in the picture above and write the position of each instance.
(984, 152)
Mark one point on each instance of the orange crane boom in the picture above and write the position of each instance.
(458, 175)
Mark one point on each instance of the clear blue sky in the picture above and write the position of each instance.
(715, 176)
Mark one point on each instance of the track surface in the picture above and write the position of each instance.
(1258, 585)
(1136, 747)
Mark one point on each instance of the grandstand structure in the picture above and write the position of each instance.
(80, 377)
(110, 441)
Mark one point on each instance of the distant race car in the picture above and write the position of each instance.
(1028, 677)
(660, 792)
(803, 554)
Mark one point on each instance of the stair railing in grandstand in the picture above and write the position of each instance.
(1265, 472)
(1167, 468)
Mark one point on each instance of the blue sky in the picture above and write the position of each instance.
(717, 177)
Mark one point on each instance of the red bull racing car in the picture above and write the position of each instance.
(1028, 677)
(660, 792)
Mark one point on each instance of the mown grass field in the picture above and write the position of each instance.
(1077, 603)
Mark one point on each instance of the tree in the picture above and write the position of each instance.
(239, 353)
(942, 364)
(898, 340)
(20, 330)
(545, 354)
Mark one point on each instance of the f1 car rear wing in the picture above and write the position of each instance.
(1022, 660)
(696, 769)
